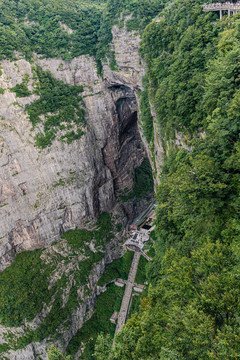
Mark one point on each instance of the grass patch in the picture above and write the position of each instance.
(104, 232)
(21, 90)
(2, 205)
(77, 238)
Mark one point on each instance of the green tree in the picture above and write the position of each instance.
(192, 312)
(55, 354)
(102, 347)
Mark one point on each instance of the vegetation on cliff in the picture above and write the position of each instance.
(61, 106)
(143, 184)
(192, 309)
(51, 282)
(67, 28)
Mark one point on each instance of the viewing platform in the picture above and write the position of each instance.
(136, 242)
(227, 7)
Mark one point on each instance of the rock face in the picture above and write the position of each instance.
(46, 192)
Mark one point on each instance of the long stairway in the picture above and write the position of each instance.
(126, 301)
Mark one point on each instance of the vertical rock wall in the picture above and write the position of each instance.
(35, 206)
(45, 192)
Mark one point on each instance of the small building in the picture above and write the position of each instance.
(137, 240)
(114, 317)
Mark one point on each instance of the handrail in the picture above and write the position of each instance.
(222, 6)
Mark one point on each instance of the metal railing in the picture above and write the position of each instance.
(221, 6)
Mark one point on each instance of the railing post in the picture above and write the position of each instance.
(220, 14)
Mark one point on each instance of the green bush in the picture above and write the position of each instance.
(90, 21)
(103, 233)
(21, 90)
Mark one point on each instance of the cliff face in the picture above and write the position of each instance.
(46, 192)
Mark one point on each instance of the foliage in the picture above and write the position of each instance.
(195, 303)
(176, 50)
(33, 26)
(143, 184)
(102, 346)
(24, 288)
(192, 308)
(81, 238)
(77, 238)
(145, 114)
(67, 28)
(21, 90)
(104, 228)
(59, 104)
(141, 272)
(106, 304)
(117, 269)
(143, 179)
(56, 354)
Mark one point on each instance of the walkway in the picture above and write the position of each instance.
(146, 256)
(227, 6)
(126, 301)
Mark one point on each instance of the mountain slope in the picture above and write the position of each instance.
(192, 309)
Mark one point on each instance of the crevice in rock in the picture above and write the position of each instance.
(123, 151)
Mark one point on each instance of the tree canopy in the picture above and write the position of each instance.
(192, 308)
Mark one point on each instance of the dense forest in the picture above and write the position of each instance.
(192, 308)
(67, 28)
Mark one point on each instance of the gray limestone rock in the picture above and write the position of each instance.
(34, 210)
(35, 206)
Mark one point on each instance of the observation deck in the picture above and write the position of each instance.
(229, 7)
